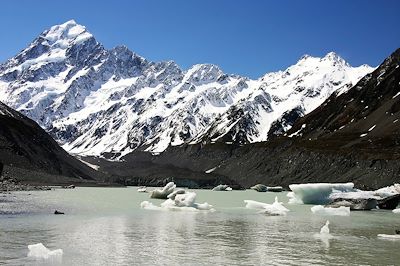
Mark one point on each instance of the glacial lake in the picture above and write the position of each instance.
(106, 226)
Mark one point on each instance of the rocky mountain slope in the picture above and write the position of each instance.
(352, 137)
(109, 103)
(28, 153)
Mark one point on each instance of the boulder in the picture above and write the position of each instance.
(260, 188)
(389, 203)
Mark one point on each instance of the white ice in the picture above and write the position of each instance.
(179, 202)
(222, 188)
(274, 209)
(316, 193)
(327, 211)
(389, 237)
(396, 210)
(322, 193)
(164, 192)
(39, 251)
(324, 234)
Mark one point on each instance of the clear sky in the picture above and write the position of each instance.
(241, 36)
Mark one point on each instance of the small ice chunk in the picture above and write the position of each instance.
(396, 210)
(149, 206)
(40, 252)
(389, 237)
(164, 192)
(273, 209)
(327, 211)
(176, 192)
(180, 202)
(252, 204)
(324, 234)
(222, 188)
(325, 229)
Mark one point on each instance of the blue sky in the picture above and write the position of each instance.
(243, 37)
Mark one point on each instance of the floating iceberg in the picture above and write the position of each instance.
(326, 211)
(316, 193)
(222, 188)
(142, 189)
(179, 202)
(389, 237)
(164, 192)
(274, 209)
(176, 192)
(324, 234)
(323, 193)
(396, 210)
(39, 251)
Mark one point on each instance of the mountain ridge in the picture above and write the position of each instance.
(102, 102)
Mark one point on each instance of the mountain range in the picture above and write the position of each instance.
(140, 122)
(108, 103)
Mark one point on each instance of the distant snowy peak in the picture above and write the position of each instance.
(96, 101)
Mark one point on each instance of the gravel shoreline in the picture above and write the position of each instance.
(8, 184)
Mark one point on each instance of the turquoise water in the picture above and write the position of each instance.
(105, 226)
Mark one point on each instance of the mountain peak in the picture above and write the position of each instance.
(69, 31)
(334, 57)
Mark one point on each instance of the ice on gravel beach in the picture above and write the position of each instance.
(39, 251)
(327, 211)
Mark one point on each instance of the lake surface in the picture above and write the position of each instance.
(106, 226)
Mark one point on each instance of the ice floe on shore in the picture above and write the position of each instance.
(40, 252)
(327, 211)
(274, 209)
(182, 201)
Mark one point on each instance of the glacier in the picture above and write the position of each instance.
(108, 103)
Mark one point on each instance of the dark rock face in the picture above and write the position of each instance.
(25, 145)
(389, 203)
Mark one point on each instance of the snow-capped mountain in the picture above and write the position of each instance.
(96, 101)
